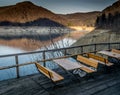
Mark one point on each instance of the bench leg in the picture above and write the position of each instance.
(90, 76)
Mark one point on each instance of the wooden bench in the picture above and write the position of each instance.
(69, 65)
(49, 73)
(89, 64)
(116, 51)
(99, 59)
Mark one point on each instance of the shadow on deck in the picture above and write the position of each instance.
(102, 84)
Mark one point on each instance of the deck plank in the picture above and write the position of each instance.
(32, 85)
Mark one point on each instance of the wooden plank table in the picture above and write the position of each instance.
(67, 64)
(111, 54)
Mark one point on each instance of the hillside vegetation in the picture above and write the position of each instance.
(82, 19)
(110, 18)
(107, 29)
(27, 12)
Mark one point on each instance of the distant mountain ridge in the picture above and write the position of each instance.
(28, 12)
(115, 7)
(82, 19)
(25, 12)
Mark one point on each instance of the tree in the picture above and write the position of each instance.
(104, 20)
(110, 20)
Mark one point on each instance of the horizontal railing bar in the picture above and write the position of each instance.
(50, 59)
(44, 60)
(13, 66)
(17, 54)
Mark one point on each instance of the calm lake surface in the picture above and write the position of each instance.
(29, 69)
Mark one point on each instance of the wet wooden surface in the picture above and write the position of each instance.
(67, 64)
(111, 54)
(102, 84)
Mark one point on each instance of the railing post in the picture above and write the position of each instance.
(44, 63)
(109, 46)
(95, 48)
(17, 67)
(118, 45)
(65, 52)
(81, 49)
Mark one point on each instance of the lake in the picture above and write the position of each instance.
(29, 69)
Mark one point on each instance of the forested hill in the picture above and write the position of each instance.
(110, 17)
(108, 28)
(28, 14)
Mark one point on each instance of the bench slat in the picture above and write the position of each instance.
(116, 51)
(87, 69)
(49, 73)
(108, 64)
(56, 77)
(97, 57)
(87, 61)
(44, 70)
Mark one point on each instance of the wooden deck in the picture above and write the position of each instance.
(102, 84)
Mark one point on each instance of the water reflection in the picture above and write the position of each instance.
(9, 50)
(29, 69)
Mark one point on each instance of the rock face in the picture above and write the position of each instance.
(97, 36)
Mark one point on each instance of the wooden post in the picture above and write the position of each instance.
(17, 67)
(81, 49)
(109, 46)
(65, 52)
(95, 48)
(119, 46)
(44, 63)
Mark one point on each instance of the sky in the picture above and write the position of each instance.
(66, 6)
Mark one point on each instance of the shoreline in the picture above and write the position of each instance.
(35, 41)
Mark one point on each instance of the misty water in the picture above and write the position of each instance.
(28, 69)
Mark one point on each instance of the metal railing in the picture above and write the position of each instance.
(67, 52)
